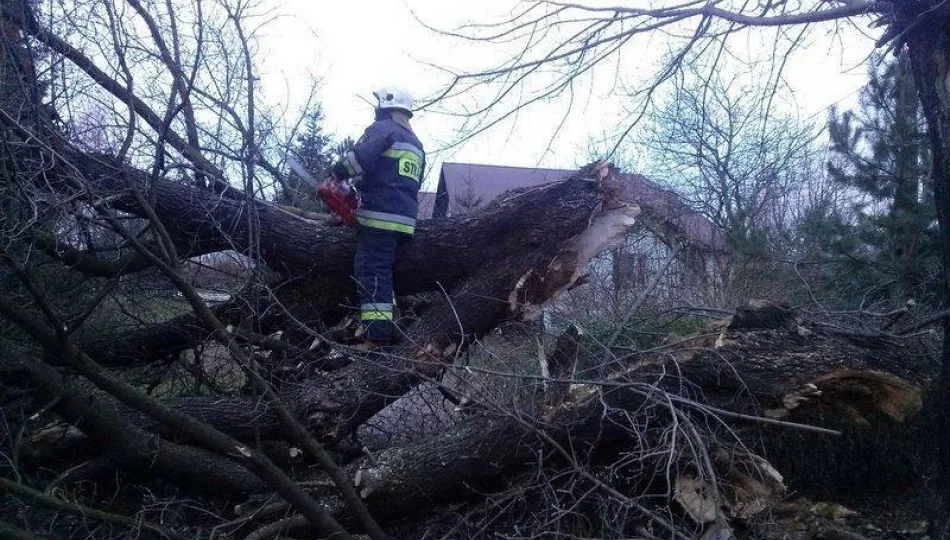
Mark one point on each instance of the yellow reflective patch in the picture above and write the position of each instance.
(376, 316)
(385, 225)
(410, 164)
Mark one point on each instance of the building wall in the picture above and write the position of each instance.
(616, 279)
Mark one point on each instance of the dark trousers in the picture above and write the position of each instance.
(375, 258)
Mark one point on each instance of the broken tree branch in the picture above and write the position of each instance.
(84, 511)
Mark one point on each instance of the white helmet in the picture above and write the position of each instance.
(393, 97)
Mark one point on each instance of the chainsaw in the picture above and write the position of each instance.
(341, 197)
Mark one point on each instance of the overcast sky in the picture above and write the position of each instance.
(353, 46)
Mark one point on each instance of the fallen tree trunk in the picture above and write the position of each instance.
(131, 447)
(520, 234)
(163, 340)
(759, 369)
(442, 253)
(539, 242)
(768, 361)
(852, 378)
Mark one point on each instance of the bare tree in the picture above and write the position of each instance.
(738, 165)
(735, 164)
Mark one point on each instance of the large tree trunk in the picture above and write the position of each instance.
(442, 252)
(755, 364)
(539, 245)
(515, 237)
(127, 443)
(929, 48)
(907, 188)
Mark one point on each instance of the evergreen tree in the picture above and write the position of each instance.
(315, 150)
(881, 153)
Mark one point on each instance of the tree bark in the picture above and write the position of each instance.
(540, 244)
(515, 233)
(752, 369)
(929, 49)
(135, 449)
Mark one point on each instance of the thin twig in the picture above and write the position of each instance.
(925, 322)
(643, 297)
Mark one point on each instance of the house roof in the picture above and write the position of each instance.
(466, 186)
(484, 183)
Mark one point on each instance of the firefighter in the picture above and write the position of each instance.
(387, 164)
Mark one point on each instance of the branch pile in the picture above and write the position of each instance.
(668, 435)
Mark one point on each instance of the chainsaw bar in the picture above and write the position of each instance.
(302, 173)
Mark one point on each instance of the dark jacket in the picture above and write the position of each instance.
(391, 161)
